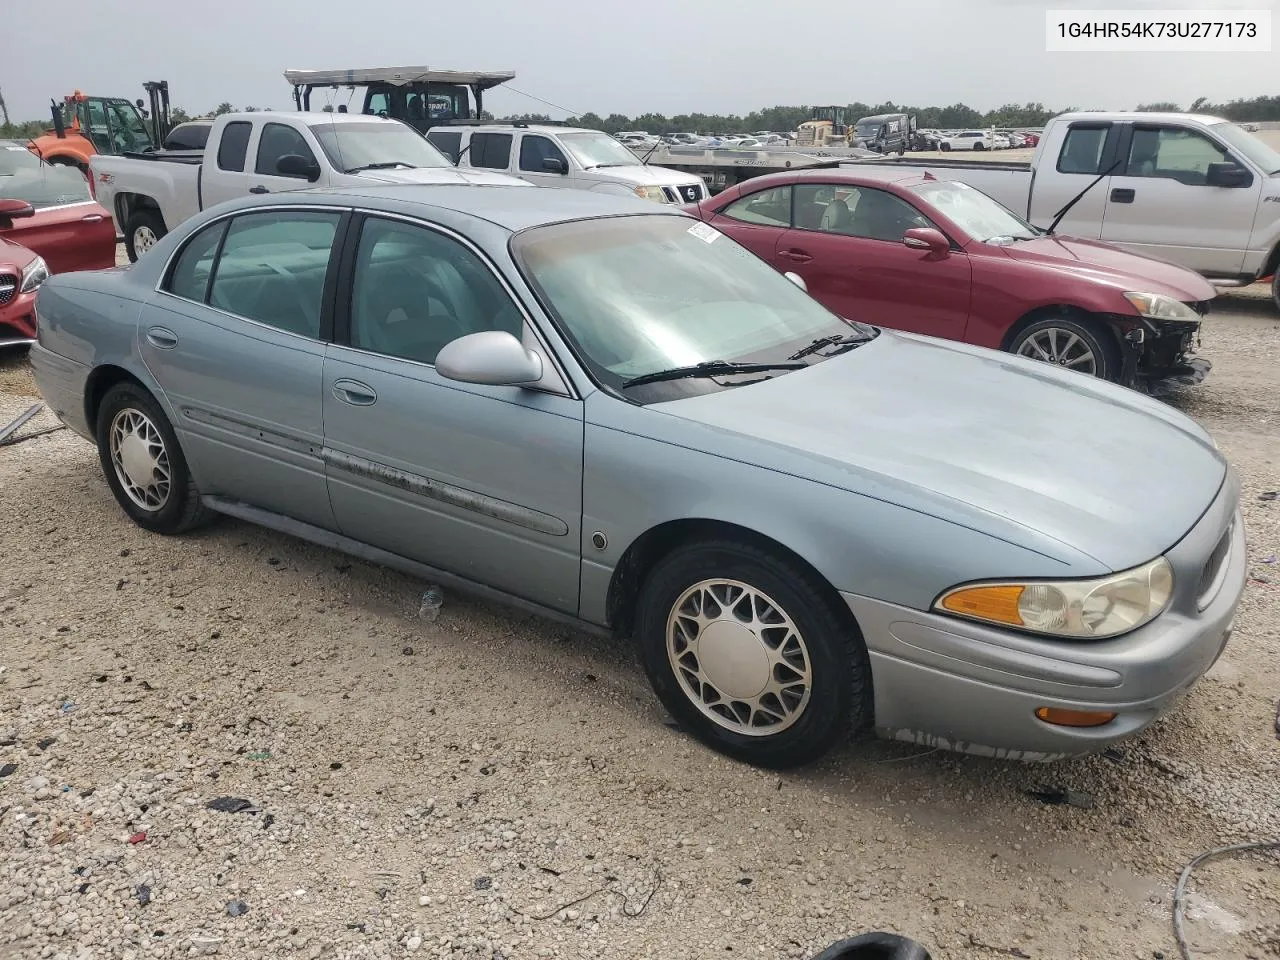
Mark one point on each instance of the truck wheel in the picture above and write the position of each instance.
(143, 232)
(1071, 342)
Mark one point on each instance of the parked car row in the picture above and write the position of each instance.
(810, 525)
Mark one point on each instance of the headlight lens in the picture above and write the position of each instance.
(651, 193)
(35, 273)
(1159, 307)
(1086, 609)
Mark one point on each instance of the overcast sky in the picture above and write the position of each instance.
(668, 56)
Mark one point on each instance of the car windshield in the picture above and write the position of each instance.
(973, 211)
(641, 294)
(868, 129)
(598, 150)
(24, 177)
(1243, 142)
(353, 145)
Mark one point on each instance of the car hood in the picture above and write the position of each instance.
(1051, 460)
(641, 175)
(14, 255)
(1104, 263)
(440, 175)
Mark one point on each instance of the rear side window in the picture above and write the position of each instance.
(190, 277)
(1082, 149)
(492, 150)
(279, 140)
(233, 146)
(448, 142)
(272, 269)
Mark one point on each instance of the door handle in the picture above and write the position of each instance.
(1122, 195)
(162, 337)
(259, 189)
(796, 256)
(91, 218)
(355, 393)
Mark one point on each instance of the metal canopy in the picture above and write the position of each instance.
(398, 76)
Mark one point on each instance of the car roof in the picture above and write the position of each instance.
(507, 127)
(311, 117)
(513, 208)
(871, 176)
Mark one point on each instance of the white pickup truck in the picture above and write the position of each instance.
(1196, 190)
(264, 152)
(547, 155)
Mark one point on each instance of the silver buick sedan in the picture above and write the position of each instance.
(608, 412)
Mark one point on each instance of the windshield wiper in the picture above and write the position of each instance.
(386, 165)
(710, 368)
(1057, 217)
(847, 341)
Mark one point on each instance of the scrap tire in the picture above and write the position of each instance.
(142, 222)
(839, 688)
(181, 509)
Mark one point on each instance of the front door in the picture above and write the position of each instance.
(757, 220)
(534, 149)
(1163, 178)
(237, 349)
(276, 140)
(484, 482)
(847, 245)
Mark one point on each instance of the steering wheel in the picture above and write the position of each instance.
(875, 946)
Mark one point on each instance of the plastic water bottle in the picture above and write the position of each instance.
(432, 601)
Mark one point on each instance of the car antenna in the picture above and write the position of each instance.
(1057, 217)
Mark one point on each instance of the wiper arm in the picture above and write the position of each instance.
(1057, 217)
(386, 165)
(837, 340)
(710, 368)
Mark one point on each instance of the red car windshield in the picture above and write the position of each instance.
(24, 176)
(974, 212)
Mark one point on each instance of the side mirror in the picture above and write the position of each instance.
(491, 357)
(554, 165)
(11, 210)
(296, 165)
(1227, 173)
(927, 238)
(797, 280)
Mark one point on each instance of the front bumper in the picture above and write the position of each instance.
(944, 682)
(18, 320)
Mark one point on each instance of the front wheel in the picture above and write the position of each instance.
(1073, 344)
(945, 147)
(1275, 289)
(143, 232)
(752, 654)
(979, 146)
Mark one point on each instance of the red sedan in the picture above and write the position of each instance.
(902, 249)
(49, 223)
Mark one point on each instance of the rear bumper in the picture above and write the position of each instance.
(61, 383)
(944, 682)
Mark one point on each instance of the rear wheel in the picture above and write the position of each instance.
(945, 147)
(752, 654)
(1073, 343)
(978, 146)
(1275, 289)
(143, 463)
(143, 232)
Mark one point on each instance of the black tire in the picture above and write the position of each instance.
(978, 146)
(140, 221)
(944, 147)
(180, 509)
(839, 702)
(1101, 343)
(1275, 289)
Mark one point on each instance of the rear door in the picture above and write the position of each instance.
(847, 245)
(490, 151)
(223, 175)
(1159, 202)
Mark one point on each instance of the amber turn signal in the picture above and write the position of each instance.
(998, 604)
(1075, 718)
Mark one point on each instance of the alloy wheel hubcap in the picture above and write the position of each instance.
(739, 657)
(144, 238)
(140, 459)
(1056, 345)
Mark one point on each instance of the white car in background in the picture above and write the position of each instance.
(1001, 141)
(969, 140)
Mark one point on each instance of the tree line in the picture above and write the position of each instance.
(783, 119)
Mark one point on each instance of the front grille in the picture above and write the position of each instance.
(1214, 570)
(8, 287)
(690, 192)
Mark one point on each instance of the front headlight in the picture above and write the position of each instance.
(1086, 609)
(35, 273)
(651, 193)
(1159, 307)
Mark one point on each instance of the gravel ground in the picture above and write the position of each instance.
(492, 786)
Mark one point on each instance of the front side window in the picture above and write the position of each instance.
(126, 126)
(273, 266)
(769, 208)
(279, 140)
(491, 150)
(641, 294)
(379, 104)
(448, 142)
(234, 145)
(415, 290)
(535, 149)
(1173, 153)
(855, 211)
(370, 144)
